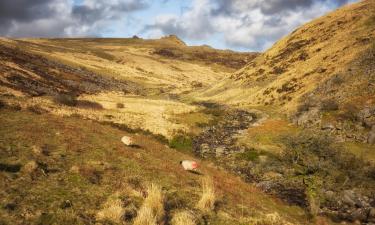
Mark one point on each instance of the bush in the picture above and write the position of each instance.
(329, 105)
(37, 109)
(304, 107)
(66, 99)
(120, 105)
(350, 112)
(89, 104)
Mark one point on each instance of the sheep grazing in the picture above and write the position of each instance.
(189, 165)
(127, 141)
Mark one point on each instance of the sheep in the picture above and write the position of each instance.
(189, 165)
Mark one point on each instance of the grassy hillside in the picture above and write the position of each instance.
(64, 170)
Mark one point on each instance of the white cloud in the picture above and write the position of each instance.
(250, 24)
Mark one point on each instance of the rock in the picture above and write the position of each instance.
(327, 126)
(128, 141)
(330, 195)
(272, 176)
(66, 204)
(30, 167)
(358, 215)
(219, 151)
(74, 169)
(371, 215)
(348, 198)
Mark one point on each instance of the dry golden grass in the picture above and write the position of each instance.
(208, 198)
(183, 218)
(145, 217)
(112, 210)
(152, 210)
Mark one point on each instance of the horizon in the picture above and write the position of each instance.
(242, 26)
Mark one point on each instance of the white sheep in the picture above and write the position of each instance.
(127, 140)
(189, 165)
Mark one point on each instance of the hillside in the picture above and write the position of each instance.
(136, 81)
(330, 57)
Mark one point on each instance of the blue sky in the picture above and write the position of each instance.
(242, 25)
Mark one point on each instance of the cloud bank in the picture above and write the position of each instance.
(62, 18)
(249, 24)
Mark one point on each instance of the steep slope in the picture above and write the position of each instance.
(332, 56)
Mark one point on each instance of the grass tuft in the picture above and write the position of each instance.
(152, 210)
(207, 201)
(112, 211)
(183, 218)
(145, 217)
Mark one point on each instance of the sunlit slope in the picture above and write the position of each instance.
(330, 56)
(161, 65)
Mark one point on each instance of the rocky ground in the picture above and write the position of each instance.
(275, 175)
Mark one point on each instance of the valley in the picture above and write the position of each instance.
(282, 137)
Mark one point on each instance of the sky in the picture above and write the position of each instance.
(241, 25)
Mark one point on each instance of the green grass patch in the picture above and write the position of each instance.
(249, 155)
(181, 143)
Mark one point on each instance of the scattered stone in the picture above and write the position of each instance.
(66, 204)
(30, 167)
(74, 169)
(219, 151)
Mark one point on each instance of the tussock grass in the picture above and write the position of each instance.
(183, 218)
(207, 201)
(145, 217)
(112, 210)
(152, 209)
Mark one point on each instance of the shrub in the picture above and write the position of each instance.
(37, 109)
(120, 105)
(349, 112)
(207, 201)
(304, 107)
(66, 99)
(183, 218)
(329, 105)
(88, 104)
